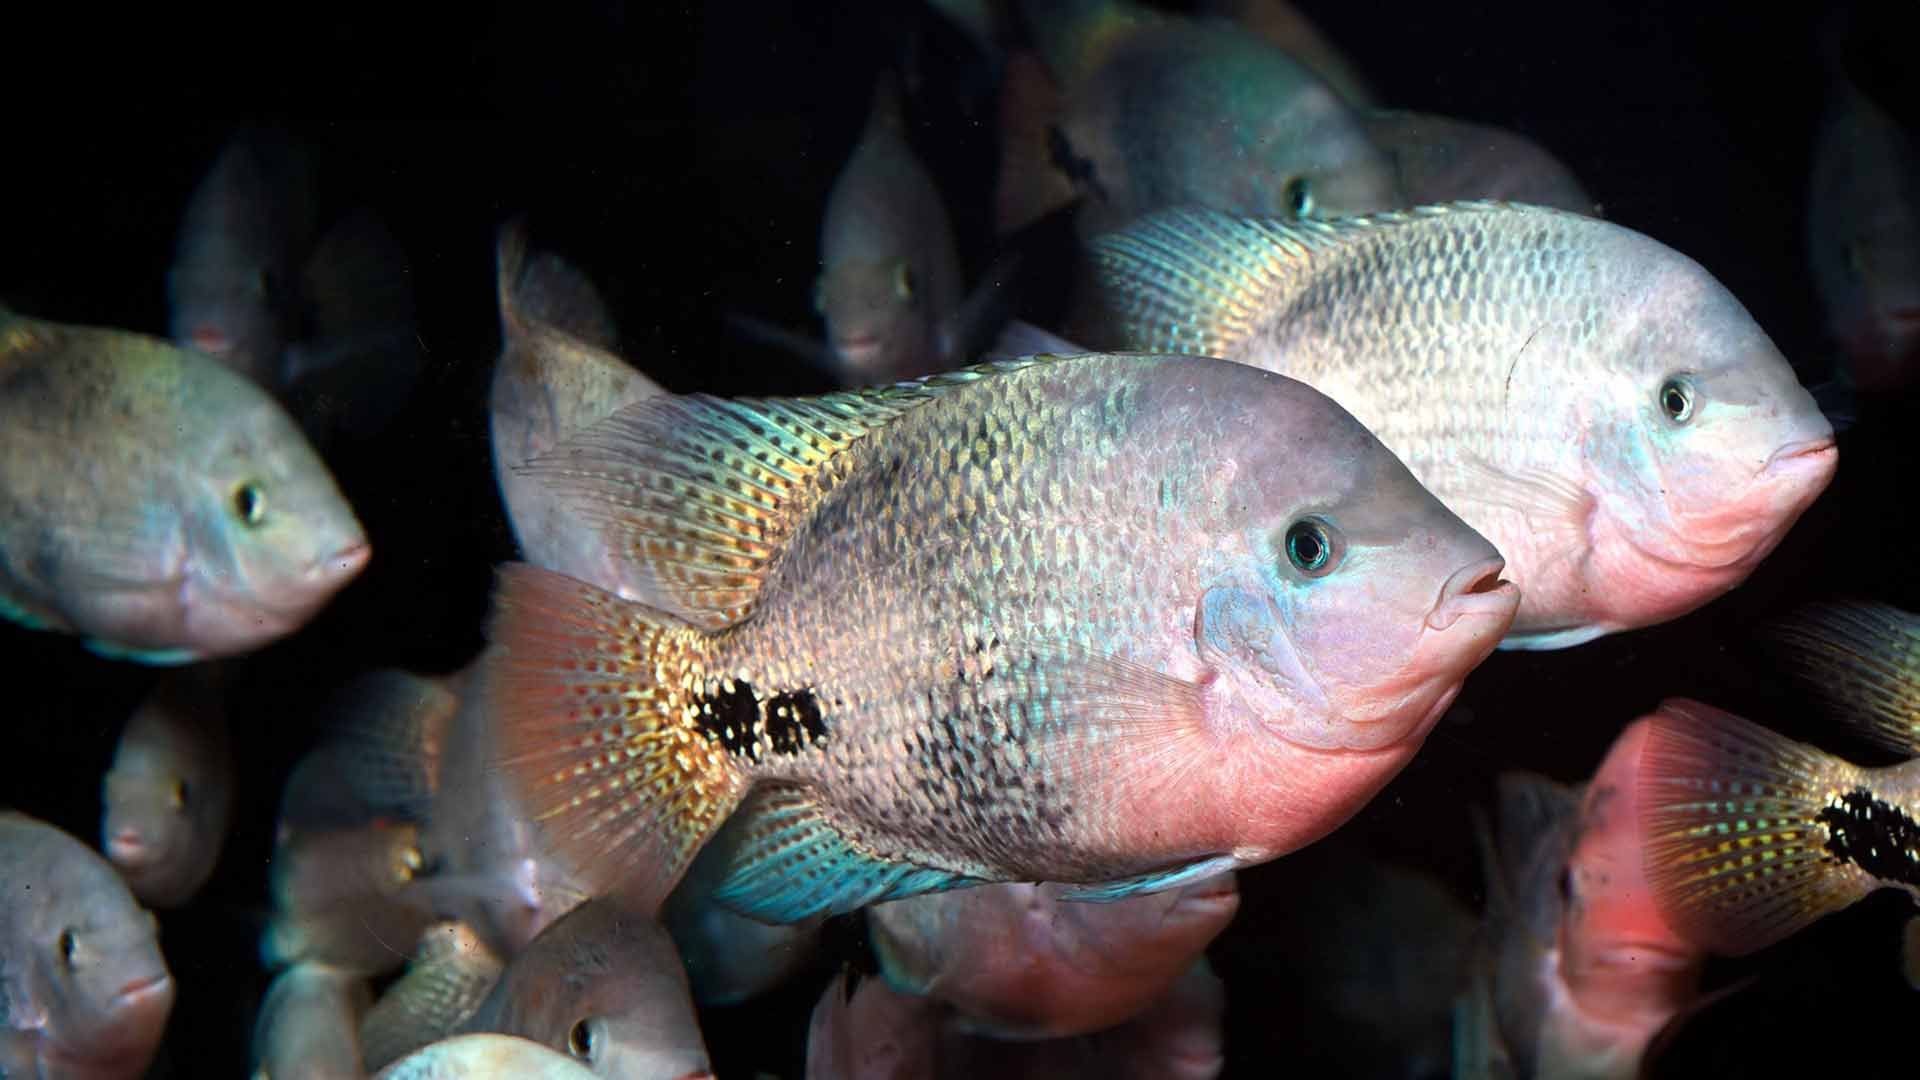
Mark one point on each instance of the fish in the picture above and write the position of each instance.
(605, 986)
(1118, 621)
(1147, 110)
(1861, 660)
(168, 797)
(556, 375)
(346, 897)
(1752, 836)
(729, 957)
(871, 1031)
(203, 525)
(233, 287)
(1584, 970)
(84, 990)
(1294, 34)
(449, 977)
(1438, 159)
(380, 759)
(485, 1057)
(890, 282)
(1591, 401)
(1016, 962)
(1863, 229)
(308, 1024)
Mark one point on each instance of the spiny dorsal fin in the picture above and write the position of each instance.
(698, 495)
(1199, 281)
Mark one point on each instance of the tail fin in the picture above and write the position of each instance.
(1863, 660)
(590, 694)
(1751, 836)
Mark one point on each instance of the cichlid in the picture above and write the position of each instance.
(1122, 621)
(307, 1026)
(157, 504)
(1158, 110)
(84, 991)
(169, 795)
(1016, 962)
(345, 897)
(556, 375)
(1593, 402)
(485, 1057)
(1751, 836)
(1294, 34)
(450, 975)
(1437, 159)
(1584, 971)
(1861, 660)
(605, 986)
(730, 957)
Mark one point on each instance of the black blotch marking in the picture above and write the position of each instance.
(1075, 168)
(794, 722)
(727, 716)
(1874, 835)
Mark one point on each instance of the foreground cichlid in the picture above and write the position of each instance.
(1593, 402)
(84, 991)
(1118, 621)
(156, 503)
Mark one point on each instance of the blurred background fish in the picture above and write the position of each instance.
(169, 794)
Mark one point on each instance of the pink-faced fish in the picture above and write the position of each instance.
(873, 1032)
(1584, 971)
(84, 991)
(450, 975)
(169, 793)
(1016, 962)
(605, 986)
(1593, 402)
(1157, 110)
(307, 1028)
(1437, 159)
(1863, 229)
(1119, 621)
(233, 287)
(155, 503)
(1751, 836)
(555, 377)
(486, 1057)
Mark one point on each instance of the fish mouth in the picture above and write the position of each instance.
(1823, 453)
(211, 341)
(858, 351)
(1476, 590)
(126, 848)
(139, 992)
(344, 564)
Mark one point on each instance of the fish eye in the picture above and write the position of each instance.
(580, 1040)
(903, 283)
(1297, 196)
(68, 943)
(250, 503)
(1676, 400)
(1310, 547)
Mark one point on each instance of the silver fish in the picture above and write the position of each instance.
(169, 793)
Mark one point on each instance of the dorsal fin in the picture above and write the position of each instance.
(698, 495)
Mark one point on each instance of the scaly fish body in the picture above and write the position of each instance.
(156, 503)
(1590, 400)
(1121, 621)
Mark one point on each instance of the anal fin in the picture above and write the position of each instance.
(1107, 892)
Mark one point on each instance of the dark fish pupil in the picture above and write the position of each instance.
(1674, 400)
(580, 1040)
(1305, 547)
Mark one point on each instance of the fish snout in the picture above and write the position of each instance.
(145, 987)
(1817, 455)
(1476, 590)
(342, 566)
(127, 848)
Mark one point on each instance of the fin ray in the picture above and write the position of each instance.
(1863, 660)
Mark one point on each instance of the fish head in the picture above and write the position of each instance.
(1706, 450)
(147, 822)
(640, 1042)
(879, 320)
(1336, 171)
(271, 538)
(1353, 603)
(103, 985)
(230, 313)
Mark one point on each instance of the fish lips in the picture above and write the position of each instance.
(238, 620)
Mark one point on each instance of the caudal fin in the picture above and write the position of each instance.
(1863, 660)
(586, 693)
(1751, 836)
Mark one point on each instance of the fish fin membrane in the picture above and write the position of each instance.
(699, 495)
(451, 973)
(1863, 661)
(1479, 1051)
(1199, 281)
(1533, 810)
(586, 695)
(113, 650)
(1107, 892)
(1737, 853)
(15, 611)
(790, 864)
(1031, 184)
(384, 749)
(547, 290)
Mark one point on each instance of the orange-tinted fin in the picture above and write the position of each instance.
(1863, 661)
(588, 695)
(1032, 182)
(1751, 836)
